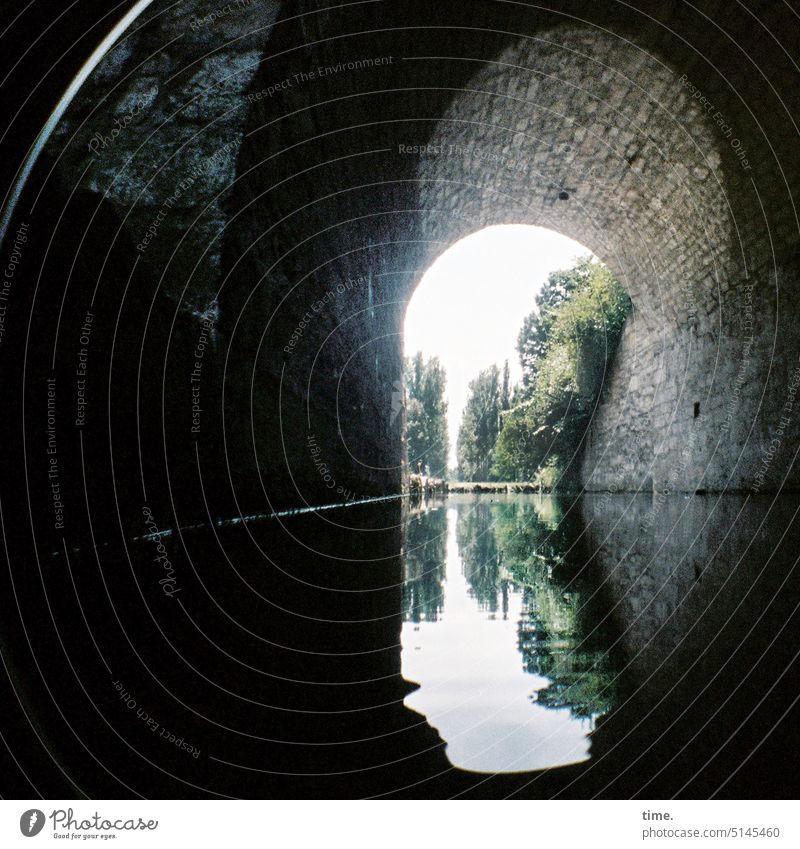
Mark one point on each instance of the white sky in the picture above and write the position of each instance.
(469, 306)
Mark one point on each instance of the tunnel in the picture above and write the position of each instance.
(220, 228)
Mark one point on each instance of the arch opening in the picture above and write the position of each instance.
(467, 313)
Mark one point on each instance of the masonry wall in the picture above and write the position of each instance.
(349, 158)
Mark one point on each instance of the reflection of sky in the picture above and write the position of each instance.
(61, 107)
(474, 690)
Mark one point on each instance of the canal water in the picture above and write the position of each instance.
(469, 646)
(498, 632)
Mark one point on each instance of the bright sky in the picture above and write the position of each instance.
(469, 306)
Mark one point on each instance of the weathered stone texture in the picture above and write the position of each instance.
(177, 83)
(320, 220)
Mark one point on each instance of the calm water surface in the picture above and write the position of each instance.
(498, 632)
(607, 646)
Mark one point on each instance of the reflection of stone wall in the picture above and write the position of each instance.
(678, 567)
(704, 594)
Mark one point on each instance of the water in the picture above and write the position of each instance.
(510, 674)
(484, 646)
(621, 645)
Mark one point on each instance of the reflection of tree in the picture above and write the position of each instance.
(581, 673)
(558, 636)
(426, 541)
(477, 547)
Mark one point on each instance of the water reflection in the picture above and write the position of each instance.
(501, 632)
(663, 643)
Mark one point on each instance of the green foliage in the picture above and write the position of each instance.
(565, 348)
(563, 636)
(533, 339)
(480, 426)
(426, 540)
(426, 415)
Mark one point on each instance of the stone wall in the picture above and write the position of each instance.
(351, 146)
(158, 127)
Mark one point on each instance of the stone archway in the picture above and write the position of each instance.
(648, 121)
(299, 232)
(584, 126)
(576, 130)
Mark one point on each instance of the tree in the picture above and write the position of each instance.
(505, 397)
(426, 415)
(532, 342)
(480, 426)
(566, 346)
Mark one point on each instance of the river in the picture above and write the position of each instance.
(482, 646)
